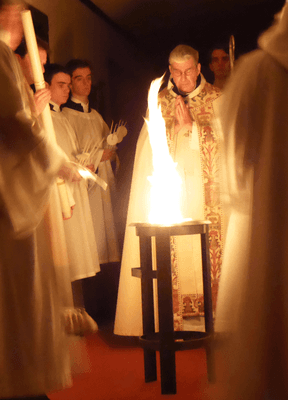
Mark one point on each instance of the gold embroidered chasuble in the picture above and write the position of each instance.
(197, 153)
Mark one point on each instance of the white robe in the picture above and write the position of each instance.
(79, 231)
(87, 126)
(33, 259)
(252, 309)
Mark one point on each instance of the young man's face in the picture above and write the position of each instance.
(60, 88)
(81, 82)
(185, 74)
(220, 63)
(26, 64)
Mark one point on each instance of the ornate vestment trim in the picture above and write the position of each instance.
(202, 112)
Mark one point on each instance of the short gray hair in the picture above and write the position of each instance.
(182, 53)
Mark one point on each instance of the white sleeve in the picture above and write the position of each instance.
(29, 161)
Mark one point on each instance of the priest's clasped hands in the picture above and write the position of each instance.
(183, 117)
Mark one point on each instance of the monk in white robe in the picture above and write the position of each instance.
(252, 308)
(90, 127)
(193, 141)
(33, 352)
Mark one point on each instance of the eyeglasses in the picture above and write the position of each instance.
(188, 71)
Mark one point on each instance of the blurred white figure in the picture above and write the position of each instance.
(252, 308)
(33, 288)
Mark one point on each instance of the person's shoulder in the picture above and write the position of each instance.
(9, 67)
(95, 114)
(166, 97)
(163, 93)
(212, 89)
(4, 48)
(248, 69)
(209, 93)
(6, 54)
(63, 118)
(251, 56)
(259, 60)
(250, 63)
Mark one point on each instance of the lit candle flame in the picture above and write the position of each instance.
(86, 174)
(165, 193)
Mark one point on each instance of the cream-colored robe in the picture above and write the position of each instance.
(197, 203)
(33, 259)
(92, 126)
(252, 309)
(79, 231)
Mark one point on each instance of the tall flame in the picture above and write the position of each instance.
(165, 193)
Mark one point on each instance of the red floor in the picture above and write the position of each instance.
(117, 372)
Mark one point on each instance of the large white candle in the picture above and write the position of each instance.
(39, 82)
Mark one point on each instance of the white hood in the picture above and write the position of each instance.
(274, 41)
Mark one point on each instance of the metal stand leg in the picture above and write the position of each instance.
(150, 365)
(166, 321)
(147, 306)
(210, 357)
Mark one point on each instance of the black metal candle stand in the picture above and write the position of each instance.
(167, 341)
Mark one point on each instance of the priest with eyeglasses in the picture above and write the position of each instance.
(188, 106)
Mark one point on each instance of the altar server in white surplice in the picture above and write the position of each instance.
(33, 259)
(90, 127)
(252, 308)
(79, 231)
